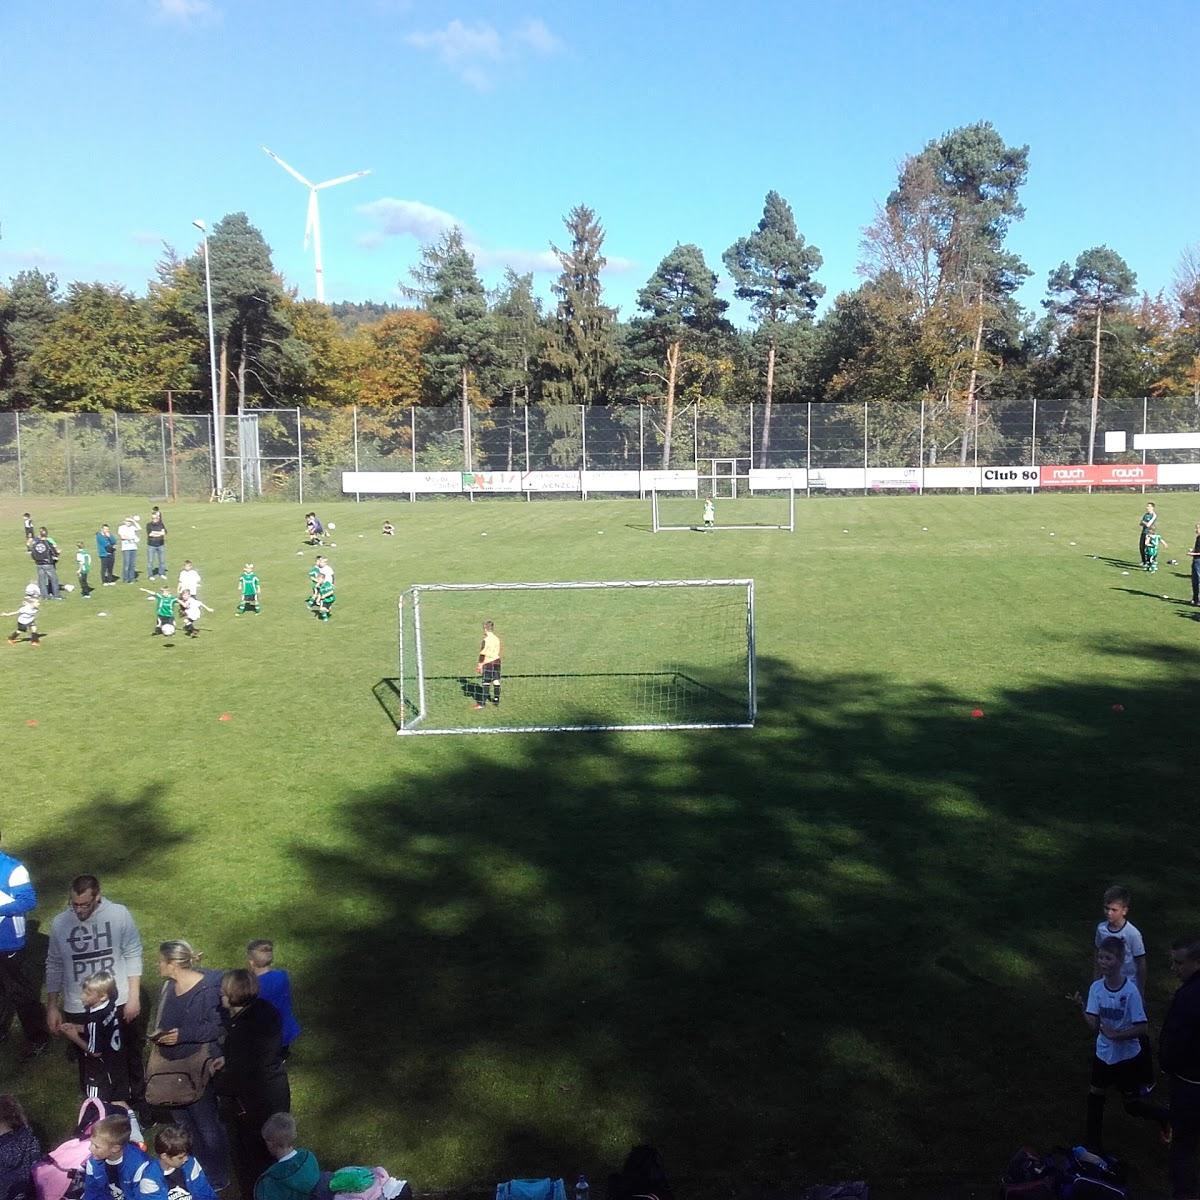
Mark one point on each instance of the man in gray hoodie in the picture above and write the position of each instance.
(94, 934)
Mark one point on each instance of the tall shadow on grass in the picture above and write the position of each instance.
(837, 945)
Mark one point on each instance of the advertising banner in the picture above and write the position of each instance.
(550, 481)
(951, 477)
(766, 479)
(1010, 477)
(401, 483)
(670, 481)
(613, 481)
(491, 481)
(900, 479)
(1114, 475)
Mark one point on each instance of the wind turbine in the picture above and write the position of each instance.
(312, 227)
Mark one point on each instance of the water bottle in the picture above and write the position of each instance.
(581, 1188)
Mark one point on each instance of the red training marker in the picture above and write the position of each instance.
(30, 722)
(976, 713)
(224, 717)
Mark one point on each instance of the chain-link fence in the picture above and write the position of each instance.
(299, 454)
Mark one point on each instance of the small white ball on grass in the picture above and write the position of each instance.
(924, 528)
(332, 525)
(102, 614)
(1072, 543)
(68, 587)
(483, 535)
(845, 531)
(1124, 572)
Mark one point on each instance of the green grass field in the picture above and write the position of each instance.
(836, 945)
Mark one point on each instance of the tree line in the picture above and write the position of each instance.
(934, 323)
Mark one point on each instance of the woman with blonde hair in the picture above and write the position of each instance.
(189, 1017)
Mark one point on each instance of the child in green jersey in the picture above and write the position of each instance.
(1153, 541)
(322, 598)
(249, 590)
(165, 603)
(83, 564)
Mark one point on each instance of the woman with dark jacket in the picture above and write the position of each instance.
(251, 1078)
(19, 1150)
(190, 1016)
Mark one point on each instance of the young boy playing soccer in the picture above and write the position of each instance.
(117, 1169)
(184, 1176)
(165, 603)
(710, 513)
(314, 531)
(27, 617)
(103, 1062)
(249, 590)
(488, 667)
(322, 597)
(1115, 1013)
(189, 579)
(1154, 539)
(83, 564)
(190, 606)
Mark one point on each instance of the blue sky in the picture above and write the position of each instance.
(125, 119)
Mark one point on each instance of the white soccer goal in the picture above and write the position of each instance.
(744, 509)
(619, 654)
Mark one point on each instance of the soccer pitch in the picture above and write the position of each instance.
(835, 945)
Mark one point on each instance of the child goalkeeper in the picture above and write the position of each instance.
(710, 513)
(249, 590)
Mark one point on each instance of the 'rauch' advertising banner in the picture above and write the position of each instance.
(1114, 475)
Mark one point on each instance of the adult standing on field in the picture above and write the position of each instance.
(1179, 1053)
(106, 552)
(95, 934)
(1147, 522)
(129, 533)
(1195, 553)
(156, 545)
(17, 992)
(44, 553)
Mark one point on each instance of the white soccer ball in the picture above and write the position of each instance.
(68, 587)
(332, 525)
(102, 614)
(167, 629)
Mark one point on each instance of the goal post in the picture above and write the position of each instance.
(629, 654)
(774, 508)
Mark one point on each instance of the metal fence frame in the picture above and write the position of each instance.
(305, 450)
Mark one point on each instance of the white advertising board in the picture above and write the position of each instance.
(902, 479)
(670, 481)
(1166, 441)
(398, 483)
(612, 481)
(1176, 473)
(951, 477)
(838, 478)
(772, 478)
(1009, 477)
(550, 481)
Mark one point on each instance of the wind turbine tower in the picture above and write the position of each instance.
(312, 227)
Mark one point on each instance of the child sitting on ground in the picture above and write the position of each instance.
(295, 1173)
(117, 1169)
(184, 1176)
(389, 530)
(274, 986)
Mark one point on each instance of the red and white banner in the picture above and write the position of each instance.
(1114, 475)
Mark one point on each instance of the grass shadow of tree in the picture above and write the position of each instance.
(836, 945)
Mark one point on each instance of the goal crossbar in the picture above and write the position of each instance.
(689, 699)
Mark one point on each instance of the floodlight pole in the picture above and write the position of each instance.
(218, 432)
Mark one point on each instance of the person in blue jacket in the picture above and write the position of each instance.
(17, 992)
(118, 1169)
(106, 552)
(274, 986)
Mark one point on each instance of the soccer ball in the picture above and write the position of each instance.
(68, 587)
(167, 629)
(332, 525)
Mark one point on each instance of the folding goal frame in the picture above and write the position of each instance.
(661, 526)
(413, 666)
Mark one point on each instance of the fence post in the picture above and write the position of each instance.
(299, 456)
(67, 451)
(696, 437)
(20, 468)
(921, 452)
(357, 493)
(865, 447)
(642, 451)
(807, 449)
(1145, 408)
(412, 425)
(117, 446)
(582, 450)
(1033, 462)
(162, 441)
(525, 411)
(751, 455)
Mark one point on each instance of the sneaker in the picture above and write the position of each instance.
(35, 1049)
(477, 707)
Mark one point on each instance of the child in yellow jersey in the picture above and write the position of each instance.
(488, 667)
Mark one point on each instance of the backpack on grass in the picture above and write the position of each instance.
(59, 1176)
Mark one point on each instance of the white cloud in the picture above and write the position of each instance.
(185, 12)
(476, 52)
(143, 237)
(521, 261)
(397, 218)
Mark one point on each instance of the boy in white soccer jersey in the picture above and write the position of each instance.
(710, 512)
(191, 607)
(1116, 923)
(27, 617)
(189, 579)
(1115, 1013)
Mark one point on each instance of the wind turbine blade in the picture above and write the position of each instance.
(342, 179)
(290, 170)
(311, 223)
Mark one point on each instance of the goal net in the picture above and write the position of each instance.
(624, 654)
(774, 509)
